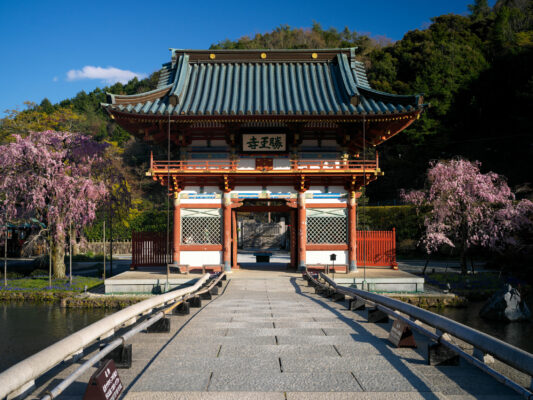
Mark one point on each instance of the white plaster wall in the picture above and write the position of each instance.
(199, 258)
(248, 189)
(325, 201)
(322, 257)
(281, 189)
(336, 189)
(282, 163)
(246, 163)
(316, 189)
(214, 202)
(207, 189)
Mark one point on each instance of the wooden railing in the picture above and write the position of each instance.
(338, 165)
(342, 165)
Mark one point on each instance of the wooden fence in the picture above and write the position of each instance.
(150, 249)
(376, 248)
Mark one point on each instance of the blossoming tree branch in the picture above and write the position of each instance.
(52, 177)
(467, 208)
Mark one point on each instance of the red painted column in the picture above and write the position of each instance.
(234, 239)
(352, 228)
(176, 233)
(226, 207)
(294, 262)
(302, 231)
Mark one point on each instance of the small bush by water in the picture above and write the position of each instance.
(478, 286)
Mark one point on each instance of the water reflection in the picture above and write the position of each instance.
(27, 328)
(518, 334)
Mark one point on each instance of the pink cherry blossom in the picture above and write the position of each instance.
(468, 208)
(50, 176)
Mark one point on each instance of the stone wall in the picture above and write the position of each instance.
(122, 247)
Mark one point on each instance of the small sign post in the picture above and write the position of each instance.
(332, 258)
(401, 335)
(105, 383)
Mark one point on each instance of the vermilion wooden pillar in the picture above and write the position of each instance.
(352, 229)
(176, 233)
(302, 231)
(234, 239)
(293, 225)
(226, 207)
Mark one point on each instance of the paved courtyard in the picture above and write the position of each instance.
(275, 339)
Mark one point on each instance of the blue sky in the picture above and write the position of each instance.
(43, 40)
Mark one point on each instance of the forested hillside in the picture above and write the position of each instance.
(476, 71)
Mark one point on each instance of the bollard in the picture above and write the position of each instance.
(205, 296)
(339, 297)
(195, 302)
(377, 316)
(440, 355)
(356, 304)
(214, 290)
(122, 355)
(182, 309)
(160, 326)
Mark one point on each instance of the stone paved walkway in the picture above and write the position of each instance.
(276, 339)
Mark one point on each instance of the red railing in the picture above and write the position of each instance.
(150, 249)
(376, 248)
(343, 165)
(233, 165)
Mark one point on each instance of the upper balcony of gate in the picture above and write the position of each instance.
(261, 165)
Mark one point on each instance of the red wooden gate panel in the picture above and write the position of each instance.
(149, 249)
(376, 248)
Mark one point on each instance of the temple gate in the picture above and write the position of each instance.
(297, 127)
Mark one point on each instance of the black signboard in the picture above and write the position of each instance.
(104, 384)
(332, 257)
(401, 335)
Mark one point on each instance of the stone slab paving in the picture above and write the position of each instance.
(278, 340)
(273, 338)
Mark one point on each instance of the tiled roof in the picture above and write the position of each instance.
(271, 82)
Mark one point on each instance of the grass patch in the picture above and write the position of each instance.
(41, 283)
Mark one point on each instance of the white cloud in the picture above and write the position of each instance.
(108, 75)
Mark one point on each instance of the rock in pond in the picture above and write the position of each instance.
(506, 305)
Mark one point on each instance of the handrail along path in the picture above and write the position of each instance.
(25, 372)
(510, 355)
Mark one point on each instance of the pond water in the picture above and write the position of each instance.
(27, 328)
(518, 334)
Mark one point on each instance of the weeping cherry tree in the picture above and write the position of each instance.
(51, 177)
(468, 208)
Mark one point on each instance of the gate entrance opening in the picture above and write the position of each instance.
(263, 235)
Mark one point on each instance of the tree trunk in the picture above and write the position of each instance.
(75, 247)
(463, 261)
(426, 265)
(58, 258)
